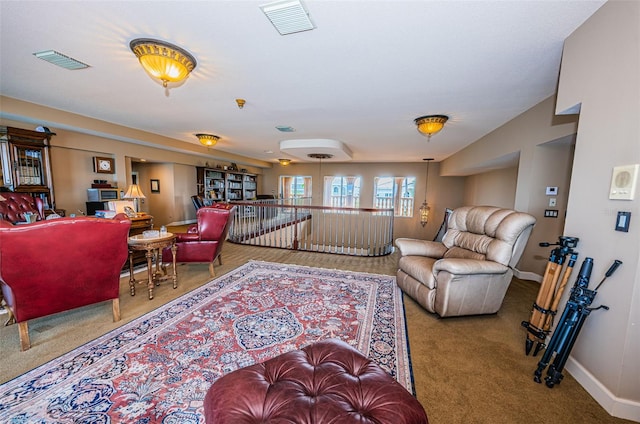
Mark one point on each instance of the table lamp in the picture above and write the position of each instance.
(134, 192)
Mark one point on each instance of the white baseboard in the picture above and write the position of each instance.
(617, 407)
(526, 275)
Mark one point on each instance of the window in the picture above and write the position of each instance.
(395, 192)
(341, 192)
(295, 186)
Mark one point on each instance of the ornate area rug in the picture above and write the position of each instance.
(158, 368)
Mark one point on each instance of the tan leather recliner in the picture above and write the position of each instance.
(468, 273)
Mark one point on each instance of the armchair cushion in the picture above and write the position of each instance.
(470, 271)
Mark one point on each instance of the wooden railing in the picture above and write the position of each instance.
(291, 224)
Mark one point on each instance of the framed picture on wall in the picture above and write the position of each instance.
(104, 165)
(155, 186)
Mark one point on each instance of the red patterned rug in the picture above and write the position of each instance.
(157, 368)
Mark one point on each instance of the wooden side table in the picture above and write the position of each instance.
(152, 247)
(139, 224)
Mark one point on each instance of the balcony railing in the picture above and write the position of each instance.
(292, 224)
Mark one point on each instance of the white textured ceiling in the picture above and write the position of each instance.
(361, 77)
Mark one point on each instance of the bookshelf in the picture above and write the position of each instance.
(217, 185)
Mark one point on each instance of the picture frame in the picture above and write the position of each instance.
(155, 186)
(104, 165)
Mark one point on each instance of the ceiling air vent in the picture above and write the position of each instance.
(61, 60)
(285, 128)
(288, 16)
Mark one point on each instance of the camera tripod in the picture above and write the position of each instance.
(575, 313)
(550, 293)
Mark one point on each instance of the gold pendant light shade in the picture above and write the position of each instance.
(208, 140)
(162, 60)
(431, 124)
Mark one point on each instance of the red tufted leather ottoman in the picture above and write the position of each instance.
(328, 382)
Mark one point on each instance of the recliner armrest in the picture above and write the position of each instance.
(468, 266)
(416, 247)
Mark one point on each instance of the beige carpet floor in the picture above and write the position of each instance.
(466, 370)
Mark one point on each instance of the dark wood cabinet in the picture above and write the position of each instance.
(25, 164)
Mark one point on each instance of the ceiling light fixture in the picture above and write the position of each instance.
(425, 208)
(284, 162)
(208, 140)
(431, 124)
(162, 60)
(241, 103)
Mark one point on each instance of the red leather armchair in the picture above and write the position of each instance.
(52, 266)
(203, 241)
(15, 205)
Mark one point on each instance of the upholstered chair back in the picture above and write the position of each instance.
(213, 221)
(487, 233)
(14, 205)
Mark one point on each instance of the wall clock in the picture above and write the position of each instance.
(104, 165)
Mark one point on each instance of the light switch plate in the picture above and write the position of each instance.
(622, 221)
(623, 182)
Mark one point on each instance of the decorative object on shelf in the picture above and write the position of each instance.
(241, 103)
(155, 186)
(162, 60)
(284, 162)
(134, 192)
(430, 124)
(425, 208)
(104, 165)
(208, 140)
(130, 212)
(233, 167)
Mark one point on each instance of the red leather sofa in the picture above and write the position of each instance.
(203, 241)
(56, 265)
(15, 205)
(325, 382)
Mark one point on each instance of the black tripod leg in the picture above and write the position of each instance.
(556, 339)
(555, 370)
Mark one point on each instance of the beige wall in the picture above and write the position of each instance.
(495, 188)
(606, 87)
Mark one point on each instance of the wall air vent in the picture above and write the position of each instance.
(288, 16)
(60, 59)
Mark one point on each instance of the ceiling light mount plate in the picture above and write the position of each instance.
(302, 148)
